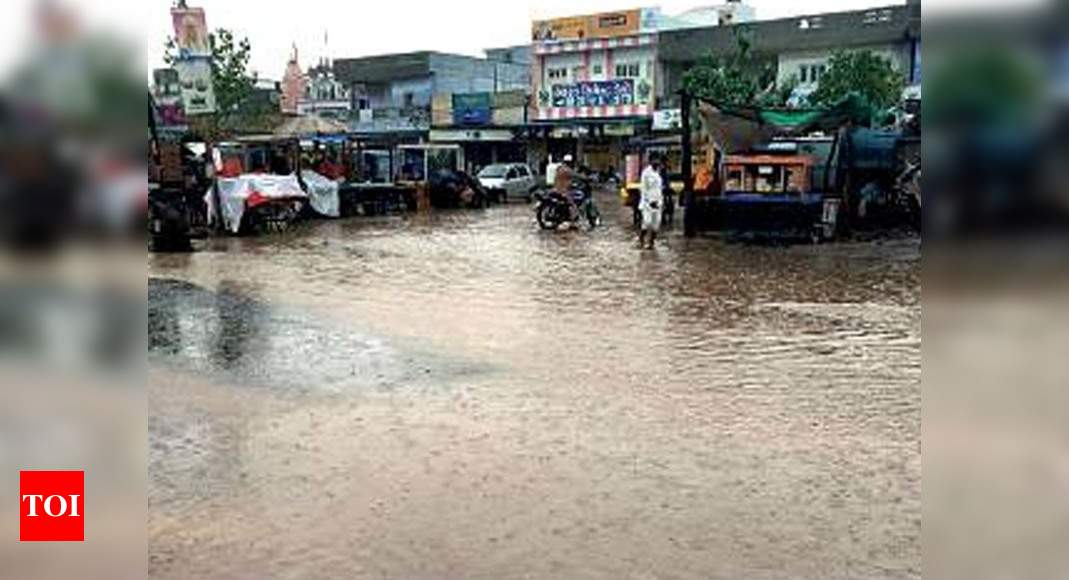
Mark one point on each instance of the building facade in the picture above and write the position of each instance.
(594, 81)
(392, 94)
(323, 94)
(801, 46)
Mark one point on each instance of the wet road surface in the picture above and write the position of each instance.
(461, 395)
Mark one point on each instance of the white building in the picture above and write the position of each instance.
(323, 94)
(731, 12)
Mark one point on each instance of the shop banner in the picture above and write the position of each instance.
(595, 94)
(604, 25)
(195, 78)
(190, 32)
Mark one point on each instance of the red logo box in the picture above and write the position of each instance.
(51, 506)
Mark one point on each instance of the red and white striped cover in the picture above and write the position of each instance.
(594, 44)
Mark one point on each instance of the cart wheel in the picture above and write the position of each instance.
(816, 234)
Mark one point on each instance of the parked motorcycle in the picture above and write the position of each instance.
(553, 209)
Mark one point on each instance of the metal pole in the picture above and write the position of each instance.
(689, 215)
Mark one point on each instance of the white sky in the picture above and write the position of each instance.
(385, 26)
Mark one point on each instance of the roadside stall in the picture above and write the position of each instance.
(257, 188)
(787, 172)
(321, 143)
(369, 187)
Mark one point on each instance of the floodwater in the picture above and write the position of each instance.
(460, 395)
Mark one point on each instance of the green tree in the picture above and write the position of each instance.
(741, 78)
(232, 83)
(864, 73)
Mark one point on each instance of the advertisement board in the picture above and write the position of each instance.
(667, 119)
(195, 79)
(471, 109)
(190, 32)
(602, 25)
(594, 94)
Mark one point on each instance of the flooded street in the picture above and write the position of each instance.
(461, 395)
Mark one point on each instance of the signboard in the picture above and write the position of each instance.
(195, 79)
(461, 135)
(575, 27)
(471, 109)
(618, 130)
(603, 25)
(615, 24)
(594, 94)
(190, 32)
(171, 115)
(667, 119)
(569, 132)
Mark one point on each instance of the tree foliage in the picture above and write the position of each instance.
(864, 73)
(742, 78)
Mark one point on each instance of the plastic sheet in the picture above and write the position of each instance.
(322, 193)
(233, 193)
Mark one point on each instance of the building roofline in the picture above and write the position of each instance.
(878, 25)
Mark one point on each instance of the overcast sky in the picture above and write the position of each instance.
(386, 26)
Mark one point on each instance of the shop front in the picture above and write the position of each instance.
(484, 147)
(599, 145)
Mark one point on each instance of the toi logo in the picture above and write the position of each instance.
(51, 506)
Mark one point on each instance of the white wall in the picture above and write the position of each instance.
(790, 64)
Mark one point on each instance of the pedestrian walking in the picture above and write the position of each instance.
(651, 202)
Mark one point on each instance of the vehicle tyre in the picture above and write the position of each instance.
(816, 234)
(547, 217)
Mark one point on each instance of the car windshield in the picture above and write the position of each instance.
(494, 171)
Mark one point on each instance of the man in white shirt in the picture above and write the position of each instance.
(651, 202)
(551, 172)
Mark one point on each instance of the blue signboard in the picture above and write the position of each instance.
(472, 109)
(595, 94)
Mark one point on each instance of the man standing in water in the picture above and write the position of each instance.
(651, 202)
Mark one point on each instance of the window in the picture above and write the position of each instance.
(409, 99)
(628, 70)
(811, 73)
(557, 73)
(522, 170)
(598, 69)
(363, 104)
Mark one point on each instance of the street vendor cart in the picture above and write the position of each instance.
(257, 187)
(788, 172)
(773, 194)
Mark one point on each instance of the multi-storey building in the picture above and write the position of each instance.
(594, 83)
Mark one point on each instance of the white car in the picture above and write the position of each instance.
(508, 180)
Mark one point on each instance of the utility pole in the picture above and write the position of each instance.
(690, 216)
